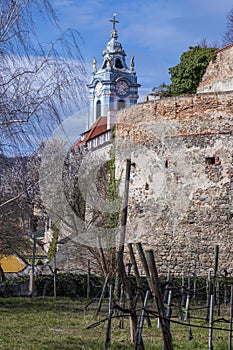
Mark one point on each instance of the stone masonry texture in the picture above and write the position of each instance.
(181, 185)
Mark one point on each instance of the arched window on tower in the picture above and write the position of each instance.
(105, 64)
(118, 64)
(120, 104)
(98, 109)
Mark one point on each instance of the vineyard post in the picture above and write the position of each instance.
(122, 305)
(139, 341)
(187, 318)
(230, 323)
(188, 283)
(195, 281)
(159, 301)
(225, 287)
(102, 295)
(110, 312)
(167, 286)
(55, 276)
(182, 290)
(144, 263)
(88, 277)
(167, 301)
(102, 257)
(137, 276)
(121, 276)
(134, 264)
(210, 332)
(169, 311)
(208, 287)
(215, 272)
(218, 294)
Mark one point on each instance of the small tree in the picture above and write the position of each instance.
(228, 36)
(38, 82)
(18, 192)
(186, 75)
(162, 90)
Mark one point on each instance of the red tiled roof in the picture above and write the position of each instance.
(98, 128)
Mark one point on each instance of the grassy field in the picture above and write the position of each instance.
(40, 324)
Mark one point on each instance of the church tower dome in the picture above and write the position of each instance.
(113, 86)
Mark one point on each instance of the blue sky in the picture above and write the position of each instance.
(156, 32)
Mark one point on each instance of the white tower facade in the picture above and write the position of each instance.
(113, 86)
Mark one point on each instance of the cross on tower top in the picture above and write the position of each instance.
(114, 21)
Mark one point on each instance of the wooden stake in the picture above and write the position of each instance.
(121, 273)
(137, 277)
(102, 257)
(158, 297)
(144, 263)
(134, 264)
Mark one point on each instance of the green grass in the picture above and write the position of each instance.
(41, 324)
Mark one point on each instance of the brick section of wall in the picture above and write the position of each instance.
(181, 186)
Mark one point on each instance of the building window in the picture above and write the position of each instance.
(210, 160)
(118, 64)
(95, 143)
(120, 104)
(213, 168)
(101, 139)
(107, 137)
(98, 109)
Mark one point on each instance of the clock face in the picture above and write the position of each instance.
(122, 88)
(98, 88)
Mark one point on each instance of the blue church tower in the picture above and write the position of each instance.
(113, 86)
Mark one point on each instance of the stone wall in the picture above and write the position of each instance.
(219, 73)
(181, 185)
